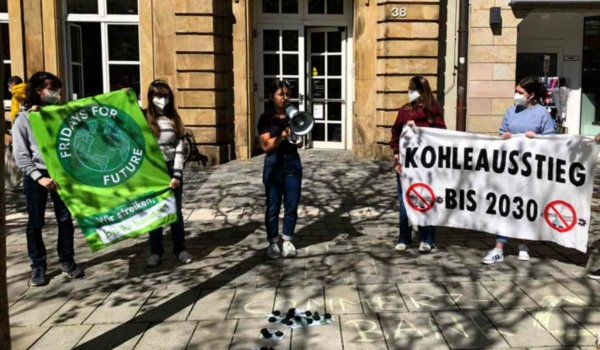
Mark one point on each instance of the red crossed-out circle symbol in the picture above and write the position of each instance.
(420, 197)
(560, 216)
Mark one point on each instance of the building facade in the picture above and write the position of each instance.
(348, 61)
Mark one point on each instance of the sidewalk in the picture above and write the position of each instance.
(346, 266)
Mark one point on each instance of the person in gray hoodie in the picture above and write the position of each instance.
(42, 89)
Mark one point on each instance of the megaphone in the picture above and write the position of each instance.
(301, 123)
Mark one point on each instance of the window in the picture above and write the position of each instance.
(5, 50)
(110, 58)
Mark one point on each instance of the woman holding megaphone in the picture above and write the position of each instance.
(423, 111)
(282, 175)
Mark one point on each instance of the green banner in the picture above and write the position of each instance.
(111, 172)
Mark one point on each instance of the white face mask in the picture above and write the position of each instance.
(51, 97)
(413, 95)
(160, 102)
(520, 100)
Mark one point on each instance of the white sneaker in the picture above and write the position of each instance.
(493, 256)
(400, 247)
(289, 251)
(273, 251)
(523, 252)
(426, 248)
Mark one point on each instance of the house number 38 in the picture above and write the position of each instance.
(399, 12)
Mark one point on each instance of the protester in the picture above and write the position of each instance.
(595, 255)
(423, 111)
(168, 129)
(528, 117)
(43, 89)
(17, 89)
(282, 174)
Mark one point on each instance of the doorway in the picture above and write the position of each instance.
(310, 50)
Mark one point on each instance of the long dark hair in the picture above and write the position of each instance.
(40, 81)
(426, 98)
(160, 87)
(533, 86)
(275, 85)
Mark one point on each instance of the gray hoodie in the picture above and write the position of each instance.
(26, 151)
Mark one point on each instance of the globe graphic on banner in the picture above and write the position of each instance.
(102, 146)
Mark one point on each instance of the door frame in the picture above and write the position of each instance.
(260, 20)
(327, 144)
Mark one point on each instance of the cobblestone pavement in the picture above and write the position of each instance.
(346, 266)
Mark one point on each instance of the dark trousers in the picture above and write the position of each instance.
(282, 177)
(177, 230)
(426, 233)
(36, 197)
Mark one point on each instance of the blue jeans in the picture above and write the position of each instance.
(177, 228)
(282, 177)
(426, 233)
(501, 239)
(36, 197)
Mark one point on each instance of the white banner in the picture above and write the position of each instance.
(534, 189)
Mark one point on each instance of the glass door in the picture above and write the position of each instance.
(327, 86)
(281, 56)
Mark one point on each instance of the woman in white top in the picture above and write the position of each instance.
(168, 129)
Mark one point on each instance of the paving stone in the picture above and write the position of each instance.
(77, 309)
(362, 332)
(212, 305)
(35, 311)
(112, 336)
(167, 336)
(213, 335)
(21, 338)
(318, 338)
(119, 307)
(468, 330)
(302, 297)
(471, 296)
(252, 303)
(550, 293)
(247, 335)
(586, 289)
(589, 317)
(342, 300)
(381, 298)
(178, 303)
(420, 297)
(509, 295)
(60, 338)
(413, 331)
(563, 327)
(520, 329)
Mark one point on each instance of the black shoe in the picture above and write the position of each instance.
(71, 270)
(595, 275)
(38, 277)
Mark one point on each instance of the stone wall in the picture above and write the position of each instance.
(406, 46)
(492, 66)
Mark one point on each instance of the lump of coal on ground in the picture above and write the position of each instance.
(272, 319)
(327, 316)
(265, 332)
(292, 311)
(317, 317)
(308, 313)
(276, 312)
(298, 318)
(289, 323)
(309, 321)
(279, 333)
(316, 313)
